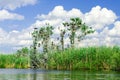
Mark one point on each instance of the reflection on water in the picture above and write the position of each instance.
(30, 74)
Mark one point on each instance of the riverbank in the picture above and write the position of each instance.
(88, 58)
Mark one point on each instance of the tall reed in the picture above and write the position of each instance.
(13, 61)
(87, 58)
(84, 58)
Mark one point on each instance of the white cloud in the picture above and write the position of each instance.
(59, 13)
(13, 4)
(115, 31)
(2, 35)
(5, 15)
(15, 38)
(100, 17)
(54, 22)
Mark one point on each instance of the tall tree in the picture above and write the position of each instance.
(75, 25)
(33, 54)
(62, 33)
(44, 34)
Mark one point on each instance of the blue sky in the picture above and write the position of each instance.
(24, 14)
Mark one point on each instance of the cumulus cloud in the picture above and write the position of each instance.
(5, 15)
(59, 13)
(102, 20)
(15, 38)
(115, 31)
(2, 35)
(11, 5)
(99, 17)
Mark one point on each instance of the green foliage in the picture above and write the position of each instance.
(43, 34)
(75, 25)
(13, 61)
(62, 34)
(34, 48)
(23, 52)
(90, 58)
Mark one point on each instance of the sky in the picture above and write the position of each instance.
(19, 17)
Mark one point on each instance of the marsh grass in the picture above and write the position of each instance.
(84, 58)
(13, 61)
(88, 58)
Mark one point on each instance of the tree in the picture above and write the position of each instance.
(44, 34)
(33, 54)
(75, 25)
(23, 52)
(62, 38)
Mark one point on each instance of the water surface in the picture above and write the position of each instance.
(31, 74)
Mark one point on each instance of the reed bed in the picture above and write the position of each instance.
(88, 58)
(84, 58)
(13, 61)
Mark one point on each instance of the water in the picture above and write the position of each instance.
(30, 74)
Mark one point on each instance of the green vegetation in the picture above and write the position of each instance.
(76, 25)
(13, 61)
(90, 58)
(43, 34)
(20, 59)
(87, 58)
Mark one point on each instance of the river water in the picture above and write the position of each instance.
(31, 74)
